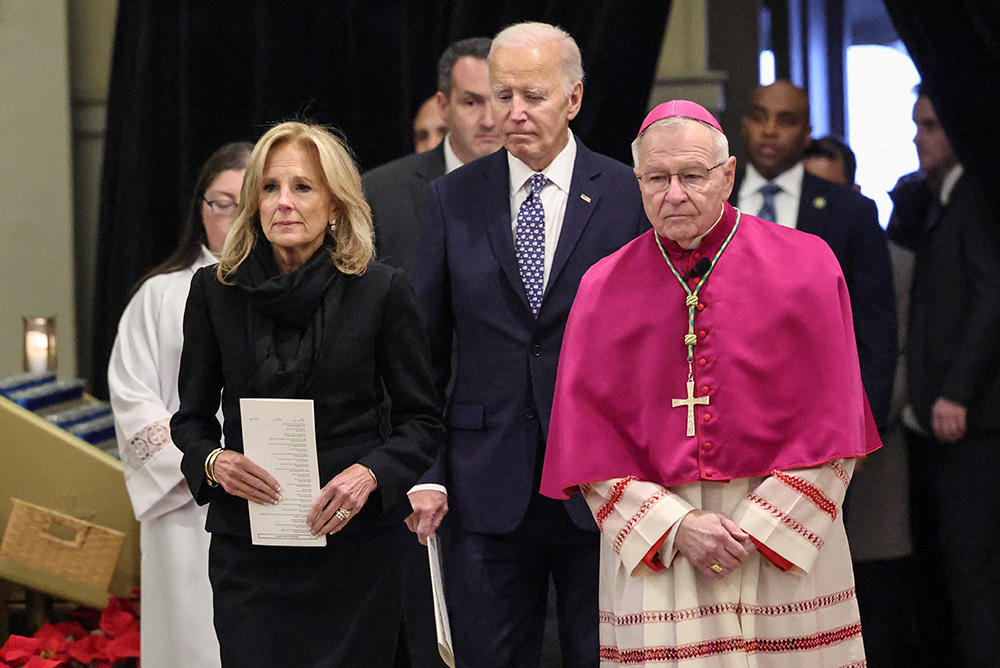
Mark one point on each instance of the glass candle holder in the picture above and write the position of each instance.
(39, 344)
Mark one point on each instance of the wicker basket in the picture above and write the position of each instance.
(87, 555)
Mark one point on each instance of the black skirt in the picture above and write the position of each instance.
(308, 607)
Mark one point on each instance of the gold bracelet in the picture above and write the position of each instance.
(210, 467)
(372, 474)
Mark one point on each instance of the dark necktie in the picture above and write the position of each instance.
(767, 210)
(529, 242)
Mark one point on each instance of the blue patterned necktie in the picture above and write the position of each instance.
(529, 242)
(767, 210)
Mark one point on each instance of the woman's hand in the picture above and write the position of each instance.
(239, 476)
(340, 499)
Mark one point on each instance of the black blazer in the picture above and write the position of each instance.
(373, 335)
(467, 281)
(953, 340)
(397, 193)
(848, 222)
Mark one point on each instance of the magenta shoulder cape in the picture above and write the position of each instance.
(775, 355)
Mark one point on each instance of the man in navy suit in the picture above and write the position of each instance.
(776, 187)
(503, 246)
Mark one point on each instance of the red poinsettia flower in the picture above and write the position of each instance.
(124, 646)
(19, 649)
(60, 645)
(70, 630)
(131, 603)
(115, 621)
(52, 643)
(39, 662)
(87, 649)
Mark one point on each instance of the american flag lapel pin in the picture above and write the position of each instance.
(585, 198)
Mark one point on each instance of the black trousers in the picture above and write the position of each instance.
(497, 589)
(418, 635)
(955, 499)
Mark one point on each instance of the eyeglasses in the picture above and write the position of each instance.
(221, 205)
(690, 178)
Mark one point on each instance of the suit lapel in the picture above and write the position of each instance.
(734, 197)
(812, 205)
(425, 172)
(584, 192)
(433, 166)
(496, 187)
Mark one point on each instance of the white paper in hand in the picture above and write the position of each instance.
(279, 435)
(441, 624)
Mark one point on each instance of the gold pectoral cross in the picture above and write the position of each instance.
(690, 402)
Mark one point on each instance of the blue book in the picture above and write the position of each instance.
(42, 396)
(96, 430)
(23, 381)
(88, 411)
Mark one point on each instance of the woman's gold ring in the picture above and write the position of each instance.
(343, 513)
(716, 567)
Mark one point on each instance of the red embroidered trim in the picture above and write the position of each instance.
(810, 491)
(653, 616)
(639, 514)
(801, 606)
(617, 491)
(815, 641)
(841, 473)
(797, 607)
(643, 655)
(788, 521)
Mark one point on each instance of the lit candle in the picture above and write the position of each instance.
(36, 346)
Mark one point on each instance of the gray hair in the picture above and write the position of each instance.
(473, 47)
(719, 139)
(531, 35)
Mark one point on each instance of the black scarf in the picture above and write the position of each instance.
(285, 314)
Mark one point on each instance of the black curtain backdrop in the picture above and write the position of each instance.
(188, 76)
(955, 46)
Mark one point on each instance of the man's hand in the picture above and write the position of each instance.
(948, 420)
(429, 508)
(708, 539)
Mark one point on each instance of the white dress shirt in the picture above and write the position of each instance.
(555, 195)
(786, 202)
(451, 161)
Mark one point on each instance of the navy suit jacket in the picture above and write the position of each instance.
(848, 222)
(467, 281)
(397, 193)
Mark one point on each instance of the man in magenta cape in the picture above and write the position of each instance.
(711, 355)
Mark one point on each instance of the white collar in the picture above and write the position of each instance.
(697, 241)
(948, 185)
(204, 259)
(451, 161)
(790, 180)
(559, 171)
